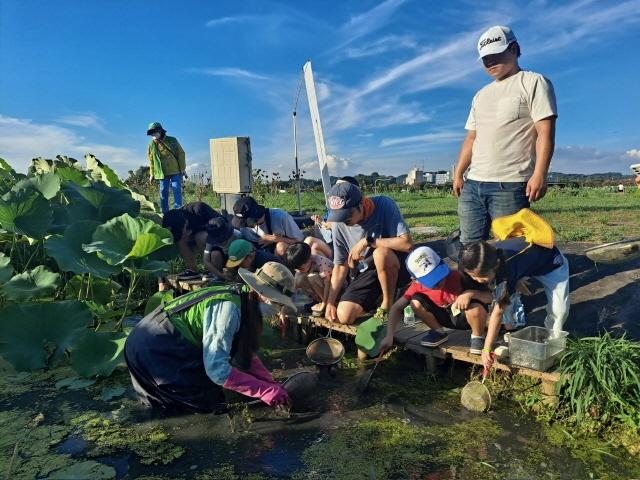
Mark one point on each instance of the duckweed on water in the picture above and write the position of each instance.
(107, 436)
(388, 448)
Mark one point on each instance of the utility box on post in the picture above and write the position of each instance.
(231, 164)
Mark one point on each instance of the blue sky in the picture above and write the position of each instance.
(394, 78)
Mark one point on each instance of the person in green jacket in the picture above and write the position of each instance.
(166, 164)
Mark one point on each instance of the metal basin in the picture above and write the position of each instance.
(325, 351)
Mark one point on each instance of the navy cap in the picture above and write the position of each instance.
(342, 198)
(247, 207)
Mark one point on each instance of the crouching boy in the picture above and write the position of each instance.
(441, 297)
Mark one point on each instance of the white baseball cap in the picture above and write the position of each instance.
(495, 40)
(427, 267)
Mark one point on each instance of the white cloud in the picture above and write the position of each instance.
(216, 22)
(228, 72)
(586, 159)
(368, 22)
(382, 45)
(22, 140)
(435, 137)
(633, 153)
(85, 120)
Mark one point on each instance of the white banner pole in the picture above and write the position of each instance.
(317, 127)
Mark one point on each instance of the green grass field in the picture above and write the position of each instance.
(587, 214)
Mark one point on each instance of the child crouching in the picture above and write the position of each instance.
(441, 297)
(313, 274)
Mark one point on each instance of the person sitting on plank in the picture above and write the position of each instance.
(313, 274)
(371, 238)
(441, 297)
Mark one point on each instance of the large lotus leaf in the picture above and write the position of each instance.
(41, 165)
(5, 167)
(145, 205)
(6, 270)
(48, 184)
(147, 267)
(83, 470)
(36, 335)
(101, 172)
(127, 238)
(35, 283)
(68, 252)
(74, 175)
(25, 212)
(98, 202)
(98, 353)
(64, 161)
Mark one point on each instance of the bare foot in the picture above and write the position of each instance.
(318, 307)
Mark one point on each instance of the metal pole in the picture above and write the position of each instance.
(295, 154)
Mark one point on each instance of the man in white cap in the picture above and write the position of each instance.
(510, 139)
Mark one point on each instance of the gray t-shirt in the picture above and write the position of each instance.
(503, 115)
(386, 221)
(282, 224)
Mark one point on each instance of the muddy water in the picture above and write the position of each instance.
(408, 424)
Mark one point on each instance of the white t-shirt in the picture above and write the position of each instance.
(503, 115)
(282, 224)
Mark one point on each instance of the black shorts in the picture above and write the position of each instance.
(365, 290)
(443, 315)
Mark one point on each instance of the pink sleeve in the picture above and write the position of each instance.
(324, 266)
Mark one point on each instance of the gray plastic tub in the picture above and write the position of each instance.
(536, 347)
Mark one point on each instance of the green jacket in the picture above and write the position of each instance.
(166, 158)
(189, 321)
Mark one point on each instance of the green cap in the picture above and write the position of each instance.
(238, 249)
(154, 127)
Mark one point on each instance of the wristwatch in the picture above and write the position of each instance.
(370, 240)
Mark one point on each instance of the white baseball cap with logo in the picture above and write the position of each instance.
(495, 40)
(427, 267)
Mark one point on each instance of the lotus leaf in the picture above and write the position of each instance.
(102, 291)
(6, 269)
(101, 172)
(109, 393)
(5, 167)
(126, 238)
(25, 212)
(68, 253)
(35, 283)
(48, 184)
(147, 267)
(146, 205)
(98, 353)
(83, 470)
(36, 335)
(73, 175)
(41, 165)
(98, 202)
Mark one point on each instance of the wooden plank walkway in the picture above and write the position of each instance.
(456, 346)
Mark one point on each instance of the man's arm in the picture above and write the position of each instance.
(464, 160)
(545, 143)
(403, 243)
(182, 163)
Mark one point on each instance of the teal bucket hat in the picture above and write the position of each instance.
(154, 127)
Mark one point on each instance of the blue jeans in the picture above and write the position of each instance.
(481, 202)
(175, 181)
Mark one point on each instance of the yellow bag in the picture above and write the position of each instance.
(527, 224)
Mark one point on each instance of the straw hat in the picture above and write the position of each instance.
(273, 281)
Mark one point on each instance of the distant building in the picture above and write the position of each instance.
(440, 177)
(415, 177)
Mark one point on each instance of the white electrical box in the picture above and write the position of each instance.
(231, 164)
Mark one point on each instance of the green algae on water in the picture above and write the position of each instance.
(389, 448)
(106, 436)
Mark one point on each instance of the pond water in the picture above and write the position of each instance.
(407, 425)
